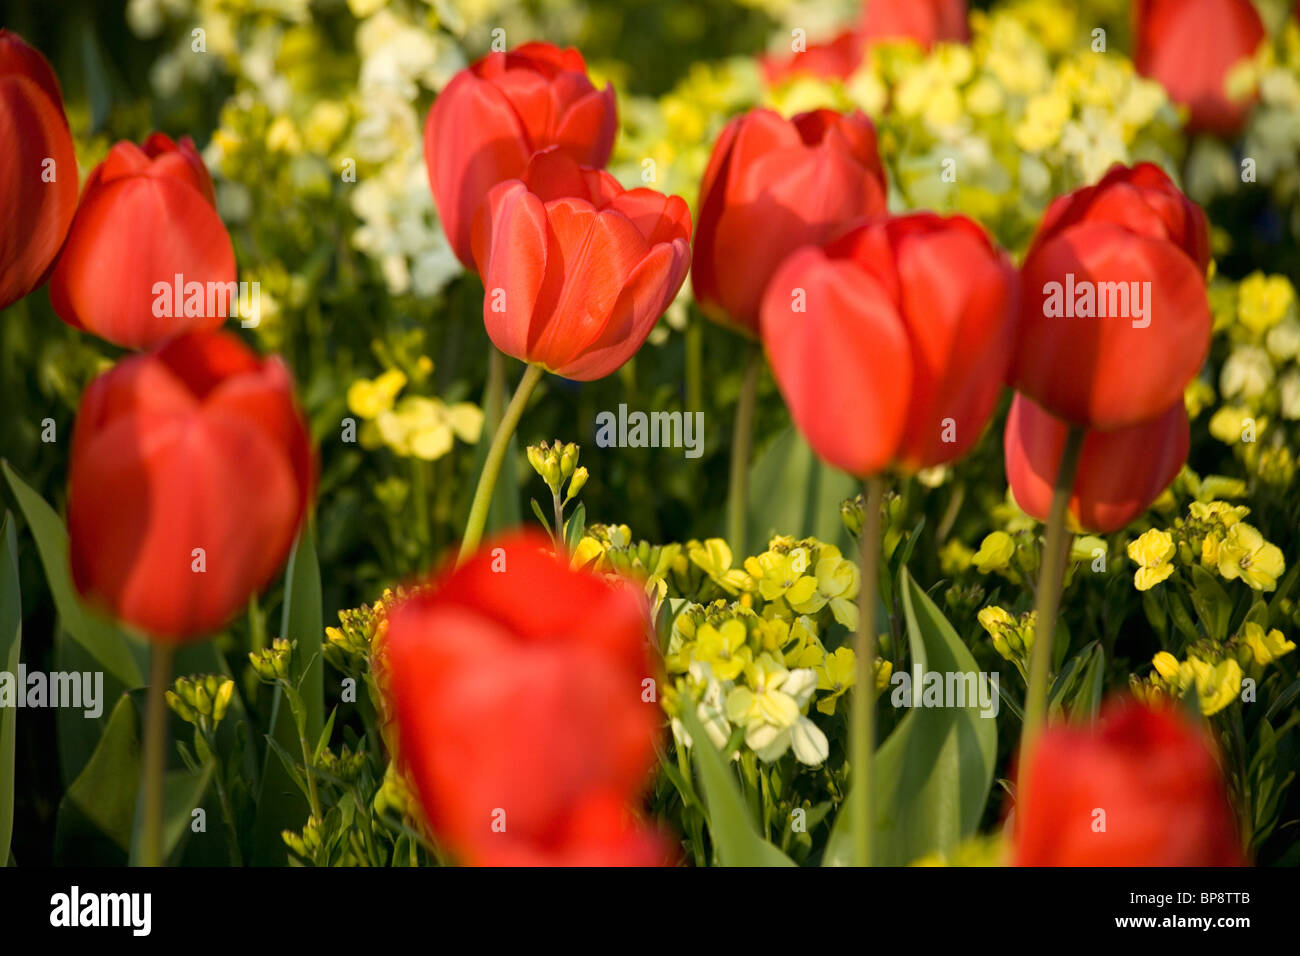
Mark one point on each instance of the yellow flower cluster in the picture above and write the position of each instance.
(756, 658)
(1214, 534)
(415, 426)
(1215, 673)
(1259, 379)
(759, 672)
(1013, 638)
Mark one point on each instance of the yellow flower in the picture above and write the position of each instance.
(954, 557)
(368, 398)
(1217, 685)
(1245, 554)
(1147, 578)
(995, 553)
(1229, 422)
(837, 673)
(588, 550)
(724, 648)
(777, 577)
(1011, 638)
(1153, 550)
(837, 584)
(714, 558)
(424, 428)
(1265, 647)
(1263, 301)
(771, 709)
(1166, 666)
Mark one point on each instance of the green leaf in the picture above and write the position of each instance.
(119, 655)
(1092, 682)
(735, 837)
(280, 805)
(1212, 604)
(505, 511)
(574, 527)
(325, 733)
(183, 790)
(97, 815)
(932, 776)
(541, 516)
(792, 492)
(303, 622)
(11, 622)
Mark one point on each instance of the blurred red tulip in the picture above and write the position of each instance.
(492, 117)
(147, 216)
(836, 59)
(1141, 787)
(1116, 320)
(190, 474)
(1190, 47)
(1119, 474)
(38, 169)
(577, 270)
(771, 186)
(516, 687)
(926, 21)
(904, 324)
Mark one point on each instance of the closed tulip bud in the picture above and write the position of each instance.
(1120, 473)
(577, 270)
(518, 711)
(38, 169)
(771, 186)
(1140, 787)
(1115, 319)
(1190, 47)
(495, 114)
(147, 257)
(909, 322)
(190, 475)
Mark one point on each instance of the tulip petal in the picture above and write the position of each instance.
(844, 364)
(1108, 372)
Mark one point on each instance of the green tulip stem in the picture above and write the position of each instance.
(1048, 598)
(478, 512)
(155, 754)
(742, 439)
(862, 731)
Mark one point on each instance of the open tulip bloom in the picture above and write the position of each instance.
(1026, 475)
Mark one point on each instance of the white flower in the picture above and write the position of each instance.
(772, 712)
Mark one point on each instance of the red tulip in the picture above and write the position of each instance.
(492, 117)
(190, 474)
(1141, 787)
(836, 59)
(1189, 47)
(771, 186)
(891, 343)
(1119, 473)
(38, 169)
(577, 270)
(926, 21)
(147, 216)
(516, 687)
(1116, 320)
